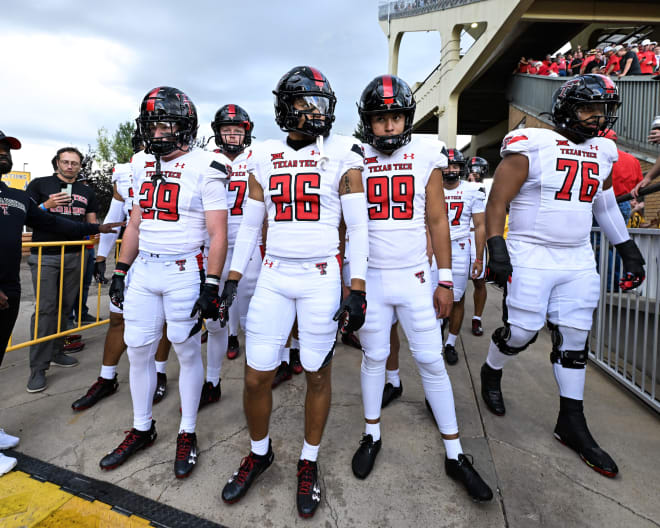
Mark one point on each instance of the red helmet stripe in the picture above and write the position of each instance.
(388, 90)
(318, 77)
(232, 111)
(151, 99)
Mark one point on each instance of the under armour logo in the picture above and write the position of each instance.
(268, 263)
(182, 165)
(420, 276)
(314, 152)
(562, 142)
(593, 147)
(321, 267)
(373, 159)
(181, 264)
(411, 156)
(277, 156)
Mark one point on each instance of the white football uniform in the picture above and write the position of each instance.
(554, 270)
(473, 242)
(300, 274)
(462, 202)
(398, 276)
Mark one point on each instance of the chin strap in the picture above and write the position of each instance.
(323, 159)
(157, 175)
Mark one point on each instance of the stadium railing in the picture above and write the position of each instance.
(625, 337)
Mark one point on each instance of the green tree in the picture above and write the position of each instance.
(119, 149)
(359, 131)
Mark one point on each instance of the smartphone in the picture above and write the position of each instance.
(68, 188)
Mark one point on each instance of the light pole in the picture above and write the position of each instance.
(25, 165)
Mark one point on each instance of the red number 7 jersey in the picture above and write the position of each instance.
(395, 185)
(173, 220)
(554, 205)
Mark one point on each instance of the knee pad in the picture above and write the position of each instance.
(373, 367)
(213, 327)
(189, 350)
(181, 331)
(511, 342)
(565, 346)
(435, 369)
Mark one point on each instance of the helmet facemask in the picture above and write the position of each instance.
(388, 144)
(176, 136)
(317, 111)
(232, 115)
(453, 172)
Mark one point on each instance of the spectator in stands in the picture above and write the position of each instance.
(586, 68)
(523, 66)
(646, 57)
(561, 65)
(19, 210)
(554, 67)
(654, 137)
(629, 63)
(576, 63)
(637, 214)
(612, 66)
(62, 195)
(533, 68)
(542, 68)
(656, 51)
(626, 174)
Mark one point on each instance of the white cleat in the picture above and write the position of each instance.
(6, 464)
(7, 441)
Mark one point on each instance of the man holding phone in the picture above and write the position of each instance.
(62, 195)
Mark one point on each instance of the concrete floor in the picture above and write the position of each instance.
(539, 482)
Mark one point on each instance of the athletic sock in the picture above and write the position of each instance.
(451, 339)
(373, 430)
(108, 372)
(392, 376)
(309, 452)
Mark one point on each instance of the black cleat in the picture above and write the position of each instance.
(463, 471)
(391, 393)
(210, 394)
(476, 328)
(294, 360)
(251, 467)
(102, 388)
(365, 456)
(451, 355)
(351, 340)
(161, 387)
(232, 347)
(186, 454)
(572, 431)
(134, 441)
(491, 390)
(308, 496)
(284, 373)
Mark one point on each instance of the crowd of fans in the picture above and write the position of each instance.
(619, 60)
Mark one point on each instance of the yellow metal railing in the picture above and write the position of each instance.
(60, 332)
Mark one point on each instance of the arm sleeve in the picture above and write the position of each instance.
(115, 214)
(354, 210)
(609, 217)
(37, 218)
(246, 239)
(515, 142)
(214, 193)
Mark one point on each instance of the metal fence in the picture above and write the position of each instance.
(640, 96)
(392, 9)
(625, 337)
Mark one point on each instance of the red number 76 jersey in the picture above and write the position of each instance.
(395, 185)
(173, 220)
(554, 205)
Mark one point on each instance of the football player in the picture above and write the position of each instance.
(465, 203)
(305, 184)
(554, 180)
(478, 169)
(403, 181)
(180, 197)
(120, 209)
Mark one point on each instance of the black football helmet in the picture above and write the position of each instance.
(173, 107)
(136, 141)
(387, 93)
(479, 166)
(310, 85)
(232, 114)
(582, 90)
(454, 157)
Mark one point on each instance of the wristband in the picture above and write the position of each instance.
(444, 275)
(213, 279)
(447, 285)
(478, 260)
(42, 206)
(122, 267)
(119, 272)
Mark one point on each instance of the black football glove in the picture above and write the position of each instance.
(352, 311)
(226, 300)
(498, 269)
(99, 272)
(633, 265)
(208, 302)
(117, 285)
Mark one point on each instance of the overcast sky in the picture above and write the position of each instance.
(71, 67)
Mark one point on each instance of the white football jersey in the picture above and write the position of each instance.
(173, 206)
(237, 193)
(122, 177)
(553, 210)
(302, 199)
(461, 203)
(395, 185)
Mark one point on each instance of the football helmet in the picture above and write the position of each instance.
(232, 114)
(384, 94)
(478, 166)
(454, 157)
(313, 91)
(583, 90)
(173, 107)
(136, 141)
